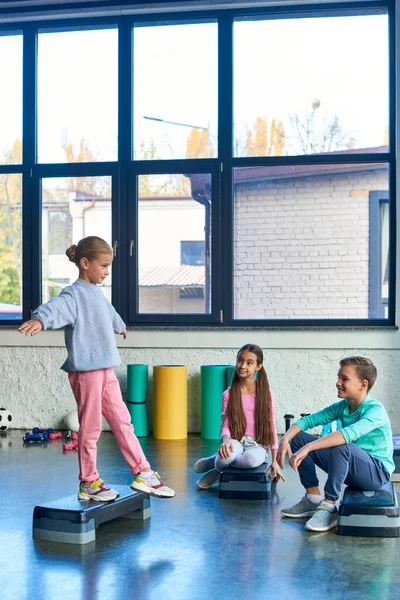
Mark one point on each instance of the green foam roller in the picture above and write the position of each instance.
(212, 386)
(229, 374)
(136, 390)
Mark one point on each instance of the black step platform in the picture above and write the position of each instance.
(396, 458)
(246, 484)
(369, 514)
(73, 521)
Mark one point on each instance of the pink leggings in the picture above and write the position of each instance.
(97, 393)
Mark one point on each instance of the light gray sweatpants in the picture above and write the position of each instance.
(242, 457)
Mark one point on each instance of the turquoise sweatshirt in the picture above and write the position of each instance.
(90, 323)
(368, 427)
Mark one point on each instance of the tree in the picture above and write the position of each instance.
(264, 140)
(386, 136)
(98, 186)
(11, 229)
(199, 144)
(152, 186)
(315, 135)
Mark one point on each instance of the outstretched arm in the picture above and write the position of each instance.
(31, 327)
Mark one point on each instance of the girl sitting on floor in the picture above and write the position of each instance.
(248, 432)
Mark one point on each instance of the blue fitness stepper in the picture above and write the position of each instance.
(396, 458)
(245, 484)
(73, 521)
(369, 514)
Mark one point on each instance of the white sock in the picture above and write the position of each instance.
(315, 498)
(147, 474)
(329, 506)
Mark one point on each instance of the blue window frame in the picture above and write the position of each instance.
(220, 163)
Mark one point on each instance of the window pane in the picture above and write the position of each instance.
(11, 246)
(175, 91)
(11, 99)
(72, 208)
(384, 247)
(78, 96)
(311, 85)
(302, 240)
(174, 225)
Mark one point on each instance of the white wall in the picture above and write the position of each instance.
(301, 365)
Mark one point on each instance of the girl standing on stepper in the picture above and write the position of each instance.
(90, 323)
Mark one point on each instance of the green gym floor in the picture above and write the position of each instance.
(194, 546)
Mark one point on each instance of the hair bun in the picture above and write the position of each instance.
(70, 252)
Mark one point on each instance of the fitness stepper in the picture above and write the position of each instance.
(246, 484)
(369, 514)
(73, 521)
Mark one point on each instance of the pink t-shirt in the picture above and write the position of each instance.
(248, 403)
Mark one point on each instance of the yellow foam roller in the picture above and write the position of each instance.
(170, 402)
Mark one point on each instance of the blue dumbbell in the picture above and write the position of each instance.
(34, 437)
(38, 430)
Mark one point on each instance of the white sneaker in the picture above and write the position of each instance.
(304, 508)
(204, 464)
(208, 480)
(323, 519)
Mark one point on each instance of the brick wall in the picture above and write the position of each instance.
(301, 246)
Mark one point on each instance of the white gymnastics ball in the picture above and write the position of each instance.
(5, 419)
(71, 421)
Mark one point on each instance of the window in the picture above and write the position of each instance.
(192, 253)
(72, 208)
(175, 90)
(171, 207)
(302, 240)
(77, 95)
(241, 163)
(324, 97)
(10, 246)
(379, 254)
(11, 193)
(11, 99)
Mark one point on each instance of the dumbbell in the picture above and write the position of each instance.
(287, 421)
(34, 437)
(55, 436)
(71, 446)
(38, 430)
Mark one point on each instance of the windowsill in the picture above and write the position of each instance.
(206, 337)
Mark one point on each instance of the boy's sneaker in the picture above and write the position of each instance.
(304, 508)
(97, 491)
(204, 464)
(152, 485)
(324, 518)
(208, 480)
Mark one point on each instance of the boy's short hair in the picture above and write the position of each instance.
(364, 368)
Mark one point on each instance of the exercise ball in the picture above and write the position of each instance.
(5, 419)
(71, 421)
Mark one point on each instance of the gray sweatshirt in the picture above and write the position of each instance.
(90, 323)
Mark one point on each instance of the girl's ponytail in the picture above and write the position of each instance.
(234, 411)
(263, 412)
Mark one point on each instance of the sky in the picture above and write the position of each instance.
(280, 67)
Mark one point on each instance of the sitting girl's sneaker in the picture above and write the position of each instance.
(152, 485)
(97, 491)
(208, 480)
(204, 464)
